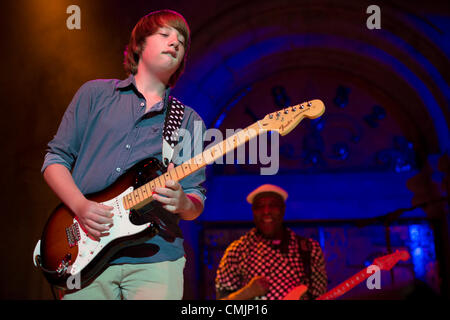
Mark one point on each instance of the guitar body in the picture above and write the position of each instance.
(65, 248)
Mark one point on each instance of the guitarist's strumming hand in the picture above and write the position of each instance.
(95, 218)
(173, 198)
(257, 287)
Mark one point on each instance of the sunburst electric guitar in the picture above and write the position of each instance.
(386, 262)
(65, 250)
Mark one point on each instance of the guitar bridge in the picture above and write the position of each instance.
(64, 265)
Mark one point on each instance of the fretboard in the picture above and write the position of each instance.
(345, 286)
(143, 195)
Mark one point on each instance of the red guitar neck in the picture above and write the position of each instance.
(383, 263)
(345, 286)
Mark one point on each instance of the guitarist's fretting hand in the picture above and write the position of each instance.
(95, 218)
(173, 198)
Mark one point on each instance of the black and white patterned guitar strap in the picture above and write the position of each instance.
(172, 124)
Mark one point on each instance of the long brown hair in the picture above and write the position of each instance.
(147, 26)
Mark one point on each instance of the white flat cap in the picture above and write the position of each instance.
(267, 188)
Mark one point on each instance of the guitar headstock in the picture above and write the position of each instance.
(390, 260)
(285, 120)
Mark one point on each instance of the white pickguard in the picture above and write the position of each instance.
(88, 248)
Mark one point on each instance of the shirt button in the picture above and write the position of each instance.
(142, 104)
(118, 169)
(128, 146)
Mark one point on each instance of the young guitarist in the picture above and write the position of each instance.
(111, 125)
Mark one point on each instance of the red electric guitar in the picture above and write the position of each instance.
(384, 263)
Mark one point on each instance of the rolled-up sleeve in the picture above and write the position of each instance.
(65, 145)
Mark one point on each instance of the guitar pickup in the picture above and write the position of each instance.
(73, 234)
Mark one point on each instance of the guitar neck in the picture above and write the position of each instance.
(143, 195)
(346, 286)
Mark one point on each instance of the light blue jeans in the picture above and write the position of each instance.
(146, 281)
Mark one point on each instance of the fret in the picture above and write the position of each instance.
(198, 159)
(136, 196)
(241, 137)
(215, 153)
(232, 141)
(179, 172)
(192, 166)
(238, 141)
(148, 193)
(228, 146)
(127, 202)
(173, 175)
(157, 182)
(244, 136)
(196, 163)
(141, 194)
(254, 132)
(167, 177)
(162, 180)
(152, 185)
(186, 168)
(191, 162)
(208, 156)
(219, 148)
(345, 286)
(131, 198)
(145, 195)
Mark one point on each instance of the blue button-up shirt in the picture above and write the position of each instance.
(104, 132)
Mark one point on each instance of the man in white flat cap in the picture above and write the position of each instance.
(271, 261)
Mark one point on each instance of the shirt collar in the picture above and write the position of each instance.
(122, 84)
(287, 236)
(131, 82)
